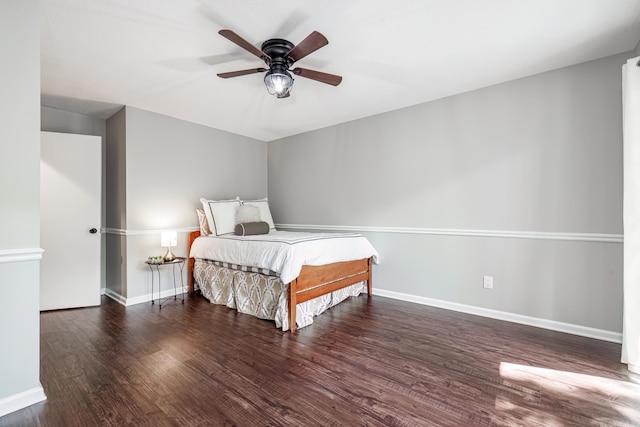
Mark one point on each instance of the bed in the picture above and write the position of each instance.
(287, 277)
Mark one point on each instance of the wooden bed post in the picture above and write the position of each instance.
(369, 276)
(191, 261)
(293, 303)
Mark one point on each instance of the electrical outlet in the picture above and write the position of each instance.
(487, 282)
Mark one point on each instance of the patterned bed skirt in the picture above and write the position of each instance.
(262, 296)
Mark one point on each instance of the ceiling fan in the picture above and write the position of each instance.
(279, 55)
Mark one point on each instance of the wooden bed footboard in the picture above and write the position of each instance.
(313, 281)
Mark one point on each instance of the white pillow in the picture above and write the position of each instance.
(221, 215)
(247, 213)
(202, 221)
(265, 212)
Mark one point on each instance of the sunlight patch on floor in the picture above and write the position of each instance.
(572, 389)
(522, 416)
(569, 382)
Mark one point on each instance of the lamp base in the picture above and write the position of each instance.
(169, 256)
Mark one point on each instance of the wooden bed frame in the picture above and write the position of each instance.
(313, 281)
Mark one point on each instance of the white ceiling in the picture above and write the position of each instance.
(163, 55)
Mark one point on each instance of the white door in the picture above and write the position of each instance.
(70, 187)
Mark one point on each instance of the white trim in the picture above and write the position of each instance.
(123, 232)
(118, 231)
(25, 254)
(115, 296)
(21, 400)
(579, 237)
(568, 328)
(142, 298)
(633, 368)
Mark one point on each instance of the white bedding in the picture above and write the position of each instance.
(284, 252)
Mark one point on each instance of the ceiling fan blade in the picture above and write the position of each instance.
(311, 43)
(241, 72)
(230, 35)
(330, 79)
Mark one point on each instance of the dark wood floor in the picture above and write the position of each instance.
(365, 362)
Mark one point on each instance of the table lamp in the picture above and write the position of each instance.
(167, 240)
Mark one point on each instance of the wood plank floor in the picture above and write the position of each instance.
(367, 362)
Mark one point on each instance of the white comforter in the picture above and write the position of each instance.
(284, 252)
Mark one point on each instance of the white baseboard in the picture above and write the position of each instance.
(142, 298)
(115, 296)
(569, 328)
(21, 400)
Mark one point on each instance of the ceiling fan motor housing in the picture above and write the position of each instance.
(277, 49)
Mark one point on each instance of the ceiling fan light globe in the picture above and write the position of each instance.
(278, 84)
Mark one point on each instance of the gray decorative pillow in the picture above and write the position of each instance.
(252, 228)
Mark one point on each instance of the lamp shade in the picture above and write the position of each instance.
(168, 239)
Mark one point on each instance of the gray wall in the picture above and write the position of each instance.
(115, 184)
(539, 155)
(20, 195)
(55, 120)
(169, 164)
